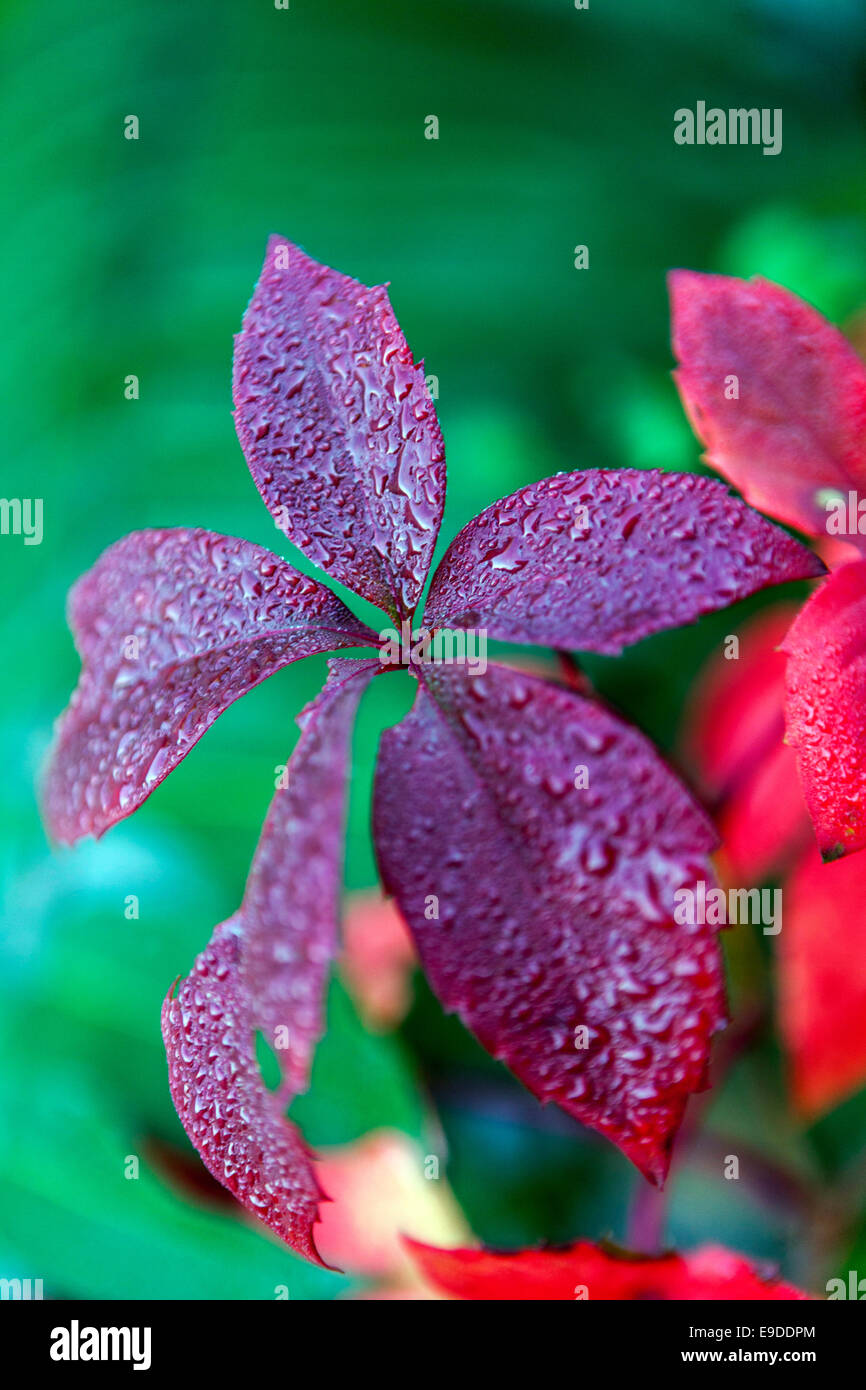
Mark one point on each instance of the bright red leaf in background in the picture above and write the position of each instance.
(586, 1271)
(822, 981)
(734, 740)
(794, 431)
(826, 708)
(778, 396)
(796, 426)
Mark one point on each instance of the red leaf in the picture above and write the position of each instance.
(764, 823)
(338, 427)
(736, 709)
(287, 923)
(555, 905)
(798, 425)
(598, 560)
(734, 739)
(586, 1271)
(822, 981)
(172, 627)
(826, 698)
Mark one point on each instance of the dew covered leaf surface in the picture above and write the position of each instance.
(292, 901)
(825, 711)
(338, 427)
(265, 969)
(555, 905)
(798, 424)
(172, 626)
(822, 981)
(233, 1121)
(597, 560)
(588, 1271)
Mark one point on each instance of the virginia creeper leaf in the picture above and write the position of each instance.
(338, 427)
(172, 627)
(543, 913)
(822, 981)
(234, 1122)
(824, 715)
(265, 969)
(774, 392)
(292, 900)
(587, 1271)
(600, 559)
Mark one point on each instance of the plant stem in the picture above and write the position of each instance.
(646, 1220)
(648, 1211)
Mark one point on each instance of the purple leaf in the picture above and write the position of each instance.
(600, 559)
(266, 969)
(172, 627)
(292, 899)
(233, 1121)
(540, 908)
(338, 427)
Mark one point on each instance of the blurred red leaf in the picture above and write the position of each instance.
(822, 981)
(586, 1271)
(377, 959)
(379, 1189)
(826, 708)
(733, 739)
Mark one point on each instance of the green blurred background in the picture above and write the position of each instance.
(118, 257)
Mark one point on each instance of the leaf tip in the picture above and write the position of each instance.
(830, 853)
(685, 284)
